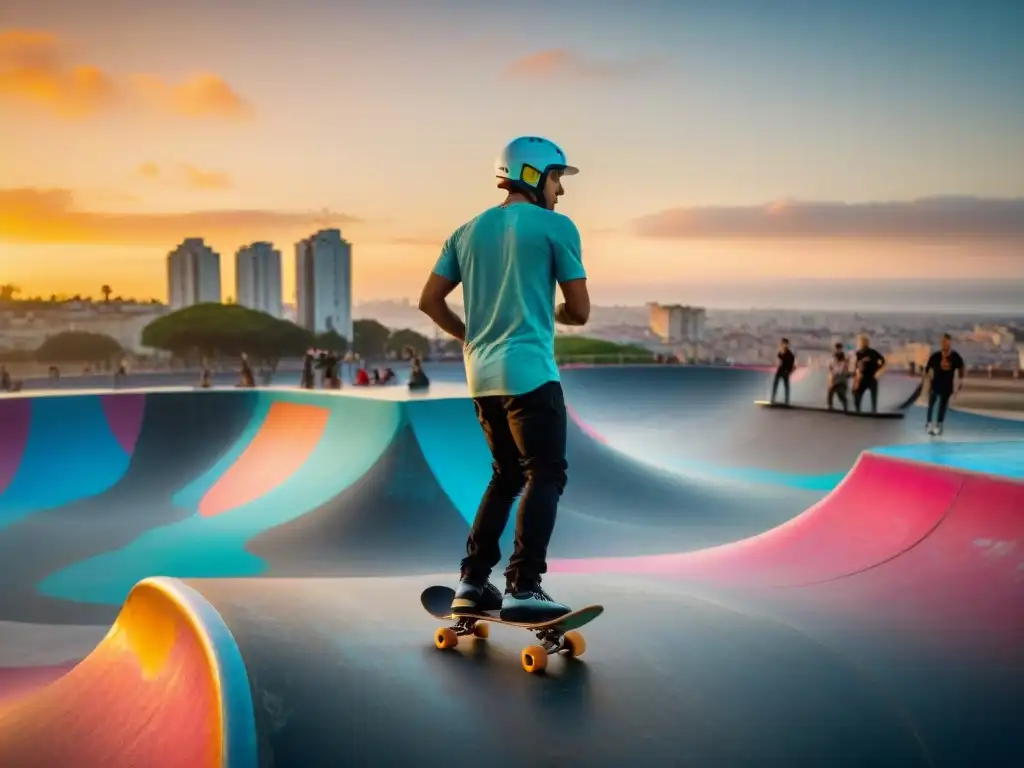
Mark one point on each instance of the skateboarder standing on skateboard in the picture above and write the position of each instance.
(508, 260)
(943, 367)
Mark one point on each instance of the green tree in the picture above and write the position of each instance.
(216, 330)
(369, 338)
(331, 340)
(78, 346)
(405, 338)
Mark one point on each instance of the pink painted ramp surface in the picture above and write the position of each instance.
(588, 430)
(15, 423)
(963, 585)
(124, 416)
(880, 510)
(284, 443)
(16, 682)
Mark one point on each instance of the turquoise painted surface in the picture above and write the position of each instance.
(70, 454)
(1004, 458)
(356, 434)
(751, 476)
(457, 453)
(455, 450)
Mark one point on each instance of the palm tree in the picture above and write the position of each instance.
(106, 291)
(8, 291)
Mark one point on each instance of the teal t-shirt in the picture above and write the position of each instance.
(509, 260)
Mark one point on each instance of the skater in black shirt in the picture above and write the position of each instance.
(869, 365)
(787, 362)
(945, 370)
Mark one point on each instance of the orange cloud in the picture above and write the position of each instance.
(201, 95)
(195, 178)
(36, 69)
(29, 215)
(206, 180)
(148, 171)
(559, 62)
(32, 72)
(433, 241)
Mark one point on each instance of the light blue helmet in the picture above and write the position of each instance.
(528, 159)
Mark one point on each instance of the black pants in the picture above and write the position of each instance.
(942, 398)
(784, 378)
(838, 390)
(526, 434)
(866, 385)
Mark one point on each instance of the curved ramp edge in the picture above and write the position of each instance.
(881, 509)
(166, 687)
(962, 586)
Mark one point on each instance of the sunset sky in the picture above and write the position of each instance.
(716, 141)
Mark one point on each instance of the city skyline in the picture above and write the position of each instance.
(717, 145)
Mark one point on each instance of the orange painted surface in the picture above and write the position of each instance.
(146, 696)
(284, 443)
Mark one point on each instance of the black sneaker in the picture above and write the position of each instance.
(474, 596)
(530, 603)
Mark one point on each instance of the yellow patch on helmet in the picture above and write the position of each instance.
(530, 175)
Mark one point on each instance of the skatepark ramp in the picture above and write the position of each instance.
(703, 421)
(952, 536)
(165, 687)
(241, 571)
(232, 483)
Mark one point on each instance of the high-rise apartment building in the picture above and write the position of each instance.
(193, 274)
(323, 276)
(258, 278)
(674, 323)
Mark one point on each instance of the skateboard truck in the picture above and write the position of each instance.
(534, 657)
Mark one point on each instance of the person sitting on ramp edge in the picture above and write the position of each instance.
(943, 368)
(838, 378)
(787, 363)
(417, 377)
(869, 366)
(508, 260)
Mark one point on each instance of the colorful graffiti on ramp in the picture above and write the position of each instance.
(249, 562)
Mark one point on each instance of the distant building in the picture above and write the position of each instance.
(910, 355)
(193, 274)
(675, 324)
(323, 277)
(258, 278)
(1020, 357)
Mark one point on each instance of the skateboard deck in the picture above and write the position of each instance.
(555, 635)
(837, 411)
